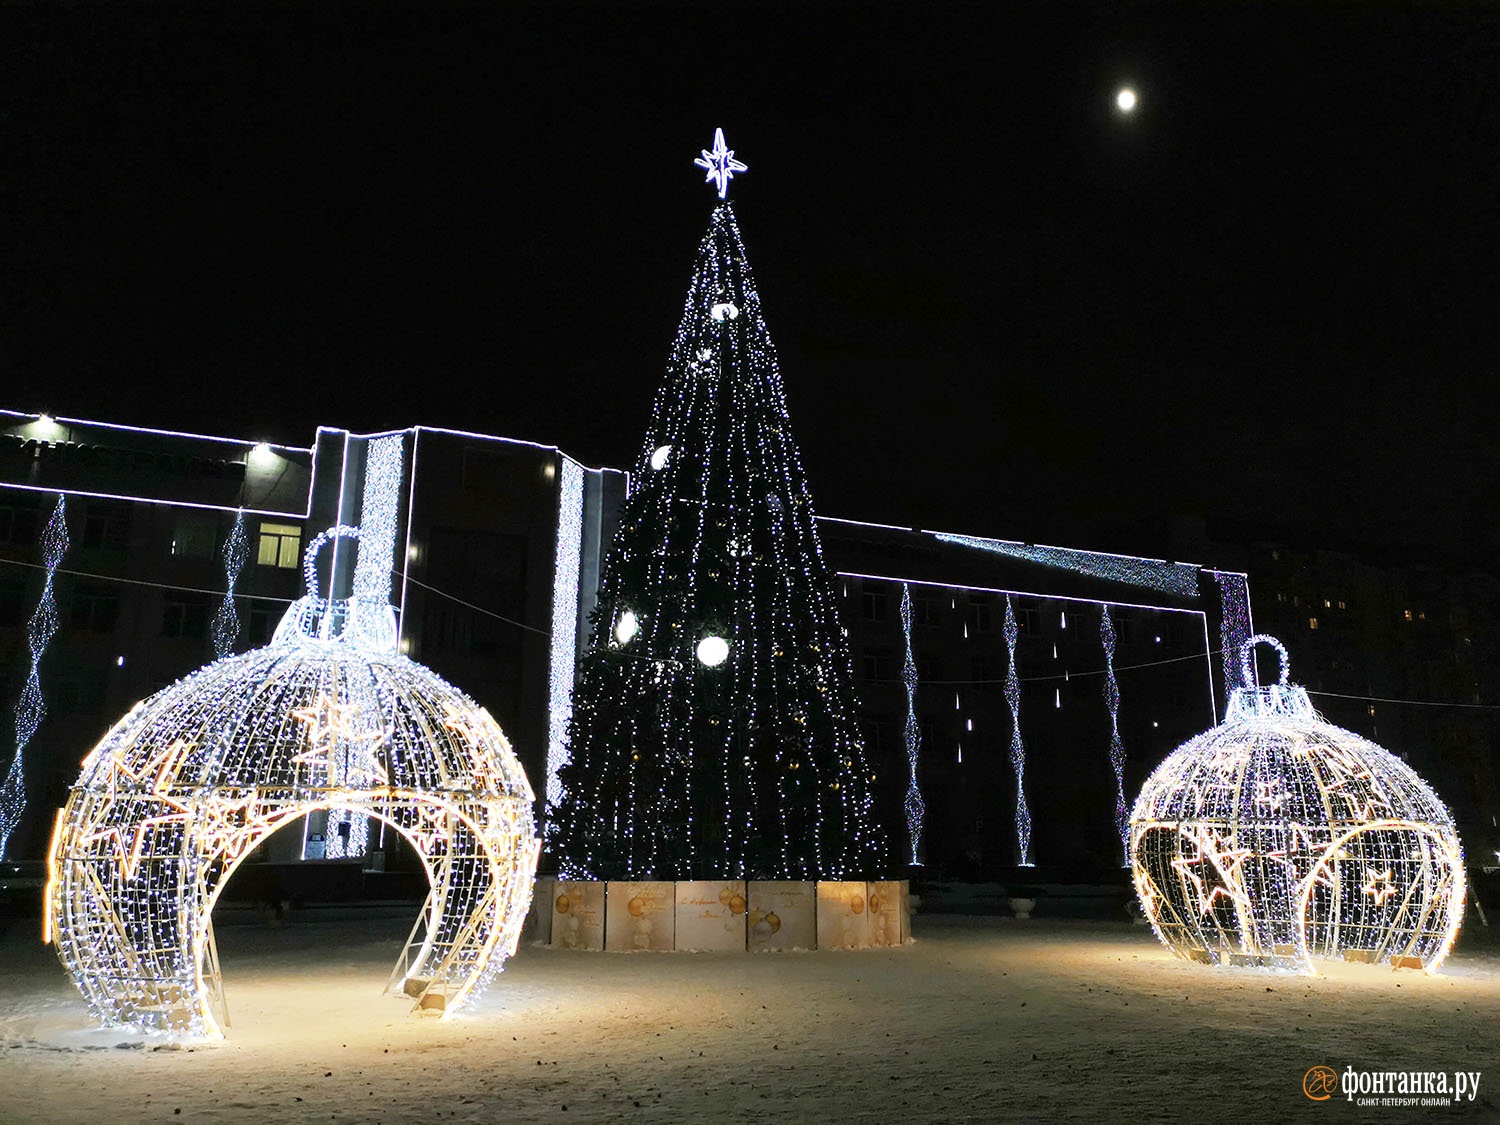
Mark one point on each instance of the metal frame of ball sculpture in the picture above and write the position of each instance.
(328, 716)
(1276, 838)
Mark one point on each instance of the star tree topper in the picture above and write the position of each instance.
(720, 163)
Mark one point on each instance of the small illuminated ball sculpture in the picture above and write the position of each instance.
(1276, 838)
(327, 716)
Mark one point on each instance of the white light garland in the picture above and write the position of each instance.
(1017, 746)
(1276, 838)
(1156, 574)
(562, 665)
(226, 623)
(915, 807)
(329, 716)
(32, 706)
(1116, 746)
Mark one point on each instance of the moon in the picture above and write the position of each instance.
(1125, 99)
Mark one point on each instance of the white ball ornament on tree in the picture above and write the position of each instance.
(1277, 838)
(713, 651)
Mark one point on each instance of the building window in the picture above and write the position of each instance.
(981, 620)
(877, 666)
(1406, 615)
(280, 545)
(17, 523)
(106, 527)
(924, 611)
(196, 535)
(1312, 623)
(95, 609)
(12, 604)
(872, 605)
(184, 615)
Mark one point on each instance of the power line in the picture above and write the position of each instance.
(1070, 675)
(269, 597)
(1408, 702)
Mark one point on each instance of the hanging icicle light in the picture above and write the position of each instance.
(1276, 837)
(328, 716)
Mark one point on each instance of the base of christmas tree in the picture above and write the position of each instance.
(721, 915)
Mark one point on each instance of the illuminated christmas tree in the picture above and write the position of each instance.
(714, 731)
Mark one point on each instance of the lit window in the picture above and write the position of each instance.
(1312, 622)
(1406, 614)
(1343, 605)
(1327, 604)
(280, 545)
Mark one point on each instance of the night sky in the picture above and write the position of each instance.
(1270, 297)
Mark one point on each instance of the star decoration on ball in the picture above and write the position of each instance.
(720, 163)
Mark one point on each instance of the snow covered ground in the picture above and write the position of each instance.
(984, 1019)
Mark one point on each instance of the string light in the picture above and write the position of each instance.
(753, 768)
(226, 623)
(346, 832)
(186, 785)
(563, 666)
(1017, 746)
(916, 808)
(1235, 626)
(1275, 838)
(1164, 577)
(1116, 746)
(32, 706)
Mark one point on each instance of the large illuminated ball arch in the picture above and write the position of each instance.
(328, 716)
(1276, 838)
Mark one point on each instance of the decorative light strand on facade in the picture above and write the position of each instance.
(563, 663)
(1017, 746)
(226, 623)
(1116, 746)
(32, 706)
(916, 808)
(1164, 577)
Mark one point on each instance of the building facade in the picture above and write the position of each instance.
(1013, 696)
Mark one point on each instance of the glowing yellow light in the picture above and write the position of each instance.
(1125, 100)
